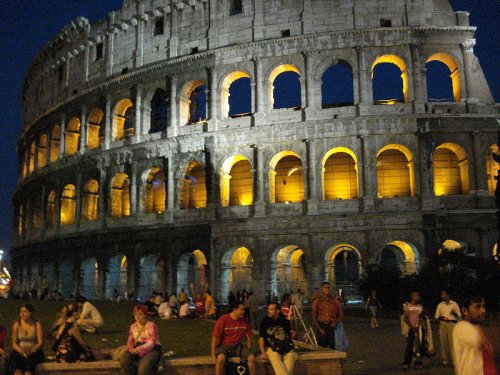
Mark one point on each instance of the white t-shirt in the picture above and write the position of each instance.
(89, 312)
(446, 310)
(467, 353)
(184, 310)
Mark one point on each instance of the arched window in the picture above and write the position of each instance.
(192, 268)
(400, 254)
(95, 128)
(123, 120)
(492, 168)
(158, 112)
(285, 88)
(55, 142)
(389, 80)
(451, 170)
(395, 172)
(72, 136)
(343, 266)
(120, 196)
(286, 178)
(237, 269)
(68, 205)
(236, 182)
(288, 270)
(194, 193)
(193, 103)
(90, 201)
(42, 151)
(236, 95)
(25, 162)
(340, 174)
(50, 210)
(155, 192)
(31, 158)
(443, 78)
(337, 86)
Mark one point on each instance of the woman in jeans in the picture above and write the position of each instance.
(143, 345)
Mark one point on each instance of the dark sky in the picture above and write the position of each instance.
(27, 25)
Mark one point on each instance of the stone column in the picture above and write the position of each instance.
(468, 56)
(214, 271)
(87, 52)
(78, 213)
(369, 174)
(58, 206)
(83, 130)
(480, 172)
(173, 129)
(425, 162)
(419, 79)
(110, 45)
(365, 82)
(260, 110)
(210, 179)
(138, 113)
(133, 189)
(42, 209)
(62, 143)
(107, 123)
(485, 248)
(259, 181)
(101, 278)
(171, 185)
(139, 42)
(312, 178)
(214, 113)
(103, 198)
(309, 97)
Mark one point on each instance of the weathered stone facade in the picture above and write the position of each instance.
(123, 188)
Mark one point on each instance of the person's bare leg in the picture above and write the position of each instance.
(220, 363)
(251, 364)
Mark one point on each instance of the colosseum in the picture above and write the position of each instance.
(266, 145)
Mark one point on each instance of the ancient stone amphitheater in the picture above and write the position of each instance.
(266, 145)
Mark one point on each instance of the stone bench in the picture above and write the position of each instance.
(314, 362)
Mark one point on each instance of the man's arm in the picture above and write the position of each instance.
(213, 346)
(437, 315)
(262, 347)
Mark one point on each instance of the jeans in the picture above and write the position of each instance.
(412, 344)
(328, 339)
(3, 366)
(146, 365)
(282, 364)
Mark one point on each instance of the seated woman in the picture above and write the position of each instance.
(143, 345)
(3, 362)
(69, 345)
(61, 318)
(27, 342)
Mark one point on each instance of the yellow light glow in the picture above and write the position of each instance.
(451, 63)
(42, 151)
(340, 180)
(194, 192)
(451, 170)
(119, 118)
(94, 127)
(120, 196)
(72, 136)
(396, 60)
(90, 201)
(68, 205)
(55, 142)
(492, 168)
(395, 172)
(284, 185)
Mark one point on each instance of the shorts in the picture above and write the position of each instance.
(231, 351)
(373, 311)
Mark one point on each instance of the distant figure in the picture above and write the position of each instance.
(447, 312)
(89, 319)
(298, 301)
(209, 304)
(164, 311)
(143, 345)
(182, 296)
(27, 342)
(326, 312)
(472, 350)
(411, 315)
(173, 302)
(199, 302)
(373, 304)
(3, 361)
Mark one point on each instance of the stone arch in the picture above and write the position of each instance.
(31, 157)
(153, 271)
(89, 273)
(400, 94)
(344, 266)
(402, 254)
(72, 136)
(95, 129)
(68, 205)
(237, 271)
(291, 75)
(492, 168)
(337, 85)
(116, 275)
(47, 281)
(120, 196)
(192, 268)
(395, 172)
(158, 112)
(55, 143)
(236, 182)
(286, 178)
(244, 99)
(193, 102)
(451, 170)
(454, 75)
(193, 189)
(154, 191)
(496, 254)
(66, 278)
(340, 174)
(90, 201)
(42, 151)
(50, 210)
(288, 270)
(123, 125)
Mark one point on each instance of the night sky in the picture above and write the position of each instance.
(27, 25)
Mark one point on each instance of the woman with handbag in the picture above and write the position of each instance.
(143, 345)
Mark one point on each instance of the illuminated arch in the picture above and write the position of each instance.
(236, 182)
(340, 174)
(273, 75)
(452, 65)
(116, 275)
(192, 268)
(55, 143)
(95, 129)
(90, 201)
(343, 265)
(451, 170)
(153, 269)
(50, 209)
(193, 103)
(286, 178)
(492, 168)
(397, 61)
(120, 196)
(226, 93)
(154, 191)
(31, 157)
(337, 89)
(42, 151)
(194, 192)
(72, 136)
(237, 270)
(123, 120)
(288, 270)
(402, 254)
(395, 172)
(68, 205)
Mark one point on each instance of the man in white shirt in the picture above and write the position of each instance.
(472, 351)
(447, 312)
(89, 319)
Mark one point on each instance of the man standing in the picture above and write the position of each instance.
(326, 312)
(472, 351)
(275, 341)
(411, 312)
(447, 312)
(227, 339)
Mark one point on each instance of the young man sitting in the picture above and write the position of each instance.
(227, 339)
